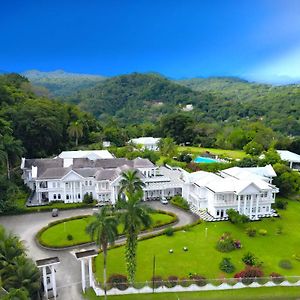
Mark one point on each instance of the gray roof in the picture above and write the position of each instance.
(101, 169)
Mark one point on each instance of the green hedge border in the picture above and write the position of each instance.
(62, 247)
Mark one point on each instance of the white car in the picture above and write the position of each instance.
(164, 200)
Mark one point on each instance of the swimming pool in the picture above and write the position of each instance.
(205, 160)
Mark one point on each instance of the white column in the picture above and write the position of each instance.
(83, 275)
(90, 272)
(81, 196)
(251, 205)
(245, 202)
(64, 191)
(53, 281)
(257, 199)
(45, 281)
(239, 204)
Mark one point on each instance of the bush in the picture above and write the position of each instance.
(226, 265)
(172, 281)
(249, 274)
(285, 264)
(249, 259)
(226, 243)
(169, 231)
(198, 279)
(236, 218)
(119, 281)
(280, 203)
(157, 281)
(185, 282)
(262, 231)
(180, 202)
(69, 237)
(251, 232)
(279, 229)
(88, 198)
(276, 278)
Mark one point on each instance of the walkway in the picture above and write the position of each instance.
(68, 271)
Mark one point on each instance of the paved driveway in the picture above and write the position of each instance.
(68, 273)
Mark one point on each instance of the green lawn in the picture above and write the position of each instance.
(204, 259)
(56, 235)
(235, 154)
(264, 293)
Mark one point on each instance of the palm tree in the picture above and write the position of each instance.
(135, 216)
(75, 129)
(104, 229)
(167, 147)
(10, 150)
(130, 182)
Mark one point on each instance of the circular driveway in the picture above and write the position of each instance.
(68, 275)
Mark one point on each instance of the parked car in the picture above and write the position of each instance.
(164, 200)
(54, 212)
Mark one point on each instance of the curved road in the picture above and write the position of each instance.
(68, 274)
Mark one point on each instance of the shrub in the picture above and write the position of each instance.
(180, 202)
(262, 231)
(185, 282)
(169, 231)
(226, 243)
(251, 232)
(157, 281)
(88, 198)
(279, 229)
(119, 281)
(172, 281)
(69, 237)
(280, 203)
(198, 279)
(285, 264)
(249, 259)
(235, 218)
(276, 278)
(226, 265)
(249, 274)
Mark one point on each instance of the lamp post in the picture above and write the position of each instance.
(153, 273)
(206, 232)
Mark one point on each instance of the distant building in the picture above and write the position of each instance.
(106, 144)
(292, 158)
(149, 143)
(188, 107)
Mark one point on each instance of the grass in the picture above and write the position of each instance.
(234, 154)
(56, 235)
(263, 293)
(202, 256)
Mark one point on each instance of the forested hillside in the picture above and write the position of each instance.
(60, 83)
(137, 98)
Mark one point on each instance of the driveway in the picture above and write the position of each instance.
(68, 275)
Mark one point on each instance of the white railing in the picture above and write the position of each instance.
(196, 285)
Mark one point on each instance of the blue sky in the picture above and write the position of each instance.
(256, 39)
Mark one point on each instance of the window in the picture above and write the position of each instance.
(248, 197)
(78, 196)
(58, 184)
(54, 184)
(218, 212)
(58, 196)
(67, 197)
(86, 183)
(54, 196)
(90, 182)
(267, 208)
(265, 194)
(242, 197)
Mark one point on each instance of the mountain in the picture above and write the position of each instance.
(61, 83)
(137, 98)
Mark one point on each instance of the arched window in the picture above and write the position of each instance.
(58, 196)
(67, 197)
(54, 196)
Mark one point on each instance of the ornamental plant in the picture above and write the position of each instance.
(249, 274)
(249, 259)
(226, 243)
(226, 265)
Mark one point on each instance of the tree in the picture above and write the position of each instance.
(236, 218)
(253, 148)
(16, 270)
(10, 149)
(16, 294)
(167, 147)
(104, 230)
(130, 182)
(75, 129)
(135, 216)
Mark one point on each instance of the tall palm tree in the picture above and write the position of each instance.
(75, 129)
(131, 182)
(134, 216)
(10, 150)
(167, 147)
(104, 230)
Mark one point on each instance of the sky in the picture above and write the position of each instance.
(258, 40)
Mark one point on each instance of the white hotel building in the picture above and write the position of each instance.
(71, 175)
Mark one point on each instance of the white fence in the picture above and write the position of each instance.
(211, 285)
